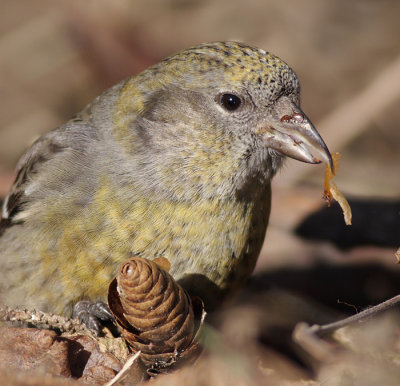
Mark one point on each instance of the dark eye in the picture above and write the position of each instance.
(230, 101)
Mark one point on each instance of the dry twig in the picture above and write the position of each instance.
(40, 319)
(309, 337)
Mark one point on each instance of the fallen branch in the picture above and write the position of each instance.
(40, 319)
(309, 337)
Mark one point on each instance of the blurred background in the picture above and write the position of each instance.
(55, 57)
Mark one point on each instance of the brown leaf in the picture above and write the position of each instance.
(32, 349)
(88, 363)
(43, 352)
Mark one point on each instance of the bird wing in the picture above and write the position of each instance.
(42, 150)
(29, 168)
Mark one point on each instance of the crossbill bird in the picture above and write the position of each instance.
(175, 162)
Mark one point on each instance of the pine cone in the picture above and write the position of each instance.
(155, 314)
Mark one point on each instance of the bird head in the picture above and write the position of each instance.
(217, 112)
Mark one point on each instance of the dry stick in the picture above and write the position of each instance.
(312, 344)
(39, 318)
(348, 121)
(308, 337)
(360, 317)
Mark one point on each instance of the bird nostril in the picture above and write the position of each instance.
(286, 118)
(298, 116)
(294, 117)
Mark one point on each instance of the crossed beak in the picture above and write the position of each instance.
(291, 133)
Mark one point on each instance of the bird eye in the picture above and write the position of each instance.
(230, 102)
